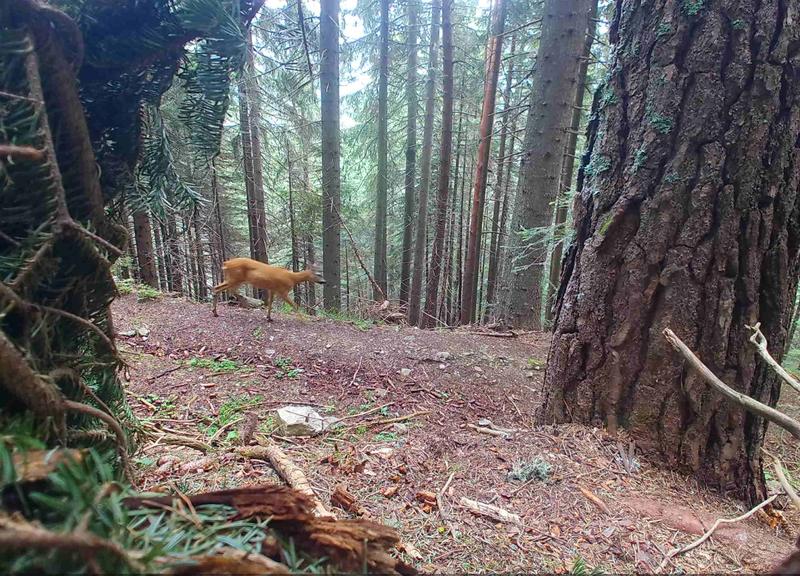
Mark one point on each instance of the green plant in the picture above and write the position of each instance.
(537, 468)
(662, 124)
(639, 158)
(605, 225)
(693, 7)
(580, 568)
(663, 29)
(285, 367)
(598, 164)
(223, 365)
(146, 293)
(229, 411)
(535, 364)
(258, 332)
(386, 436)
(126, 286)
(363, 324)
(738, 24)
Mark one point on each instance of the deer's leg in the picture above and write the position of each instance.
(288, 299)
(216, 290)
(270, 296)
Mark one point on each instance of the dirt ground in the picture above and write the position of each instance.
(581, 496)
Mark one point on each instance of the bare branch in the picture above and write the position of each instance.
(760, 342)
(754, 406)
(787, 487)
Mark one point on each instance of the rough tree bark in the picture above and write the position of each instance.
(688, 218)
(331, 185)
(144, 248)
(498, 195)
(494, 52)
(200, 258)
(162, 256)
(411, 152)
(560, 47)
(261, 240)
(175, 258)
(568, 165)
(420, 241)
(379, 263)
(220, 248)
(428, 318)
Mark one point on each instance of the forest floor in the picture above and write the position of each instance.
(591, 502)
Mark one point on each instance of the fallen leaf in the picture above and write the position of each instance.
(390, 491)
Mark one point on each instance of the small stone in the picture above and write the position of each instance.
(442, 366)
(380, 392)
(399, 427)
(478, 369)
(128, 333)
(144, 331)
(443, 356)
(405, 372)
(529, 373)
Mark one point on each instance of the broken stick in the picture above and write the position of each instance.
(287, 470)
(484, 509)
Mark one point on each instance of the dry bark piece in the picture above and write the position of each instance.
(594, 499)
(229, 564)
(266, 501)
(38, 464)
(346, 501)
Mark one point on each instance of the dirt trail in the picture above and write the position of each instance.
(206, 377)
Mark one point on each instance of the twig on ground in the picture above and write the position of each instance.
(440, 504)
(490, 431)
(164, 373)
(372, 411)
(392, 420)
(711, 530)
(594, 499)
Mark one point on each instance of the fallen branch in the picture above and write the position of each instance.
(398, 419)
(760, 342)
(787, 487)
(494, 512)
(490, 431)
(372, 411)
(594, 499)
(711, 530)
(19, 534)
(440, 504)
(287, 470)
(179, 440)
(758, 408)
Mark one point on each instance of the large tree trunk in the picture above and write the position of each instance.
(688, 218)
(144, 248)
(568, 167)
(379, 263)
(420, 241)
(498, 195)
(331, 191)
(564, 27)
(411, 153)
(494, 53)
(431, 292)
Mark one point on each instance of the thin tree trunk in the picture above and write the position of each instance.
(411, 153)
(220, 252)
(254, 105)
(379, 264)
(331, 194)
(131, 247)
(192, 283)
(568, 166)
(494, 58)
(428, 318)
(420, 243)
(498, 195)
(346, 279)
(162, 256)
(682, 223)
(202, 280)
(144, 248)
(247, 161)
(502, 233)
(554, 79)
(455, 269)
(311, 287)
(292, 229)
(175, 270)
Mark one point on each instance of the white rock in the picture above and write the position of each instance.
(303, 421)
(443, 356)
(405, 372)
(144, 331)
